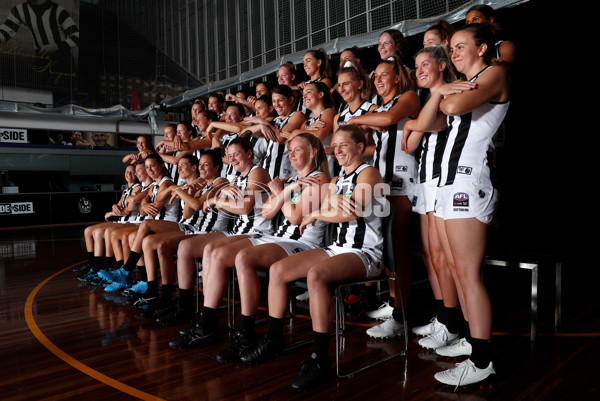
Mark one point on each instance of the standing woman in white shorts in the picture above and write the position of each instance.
(352, 205)
(399, 103)
(433, 69)
(466, 199)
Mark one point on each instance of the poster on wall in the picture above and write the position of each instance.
(39, 42)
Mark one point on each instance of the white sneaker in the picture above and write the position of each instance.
(457, 348)
(389, 328)
(464, 373)
(302, 297)
(427, 329)
(438, 338)
(384, 312)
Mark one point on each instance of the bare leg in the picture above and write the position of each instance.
(247, 262)
(187, 251)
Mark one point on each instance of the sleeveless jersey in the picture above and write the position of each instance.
(313, 235)
(395, 166)
(253, 222)
(364, 233)
(169, 212)
(347, 114)
(470, 142)
(227, 171)
(277, 156)
(133, 215)
(205, 222)
(139, 218)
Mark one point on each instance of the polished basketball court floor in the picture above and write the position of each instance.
(61, 340)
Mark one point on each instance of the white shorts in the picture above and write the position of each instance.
(463, 200)
(290, 246)
(402, 184)
(373, 265)
(424, 198)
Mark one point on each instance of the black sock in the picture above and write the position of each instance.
(98, 263)
(152, 289)
(90, 258)
(109, 262)
(119, 263)
(481, 354)
(185, 302)
(439, 308)
(321, 345)
(209, 317)
(466, 331)
(143, 273)
(397, 315)
(134, 257)
(275, 328)
(453, 320)
(166, 293)
(247, 324)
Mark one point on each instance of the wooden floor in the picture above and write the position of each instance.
(60, 340)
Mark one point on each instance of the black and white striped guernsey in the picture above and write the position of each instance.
(467, 155)
(276, 160)
(313, 234)
(170, 211)
(253, 222)
(201, 222)
(364, 233)
(131, 217)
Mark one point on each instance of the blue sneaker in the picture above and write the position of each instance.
(138, 288)
(116, 286)
(120, 275)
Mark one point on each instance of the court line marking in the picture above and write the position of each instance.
(35, 330)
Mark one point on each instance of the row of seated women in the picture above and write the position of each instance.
(277, 162)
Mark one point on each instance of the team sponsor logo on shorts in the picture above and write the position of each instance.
(397, 183)
(464, 170)
(460, 201)
(16, 208)
(415, 200)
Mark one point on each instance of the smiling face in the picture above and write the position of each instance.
(169, 133)
(348, 87)
(345, 149)
(186, 169)
(311, 64)
(183, 132)
(130, 174)
(238, 158)
(284, 76)
(311, 96)
(386, 80)
(429, 73)
(386, 46)
(214, 104)
(154, 168)
(301, 154)
(281, 104)
(202, 122)
(262, 109)
(140, 172)
(261, 89)
(207, 168)
(142, 143)
(233, 115)
(196, 109)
